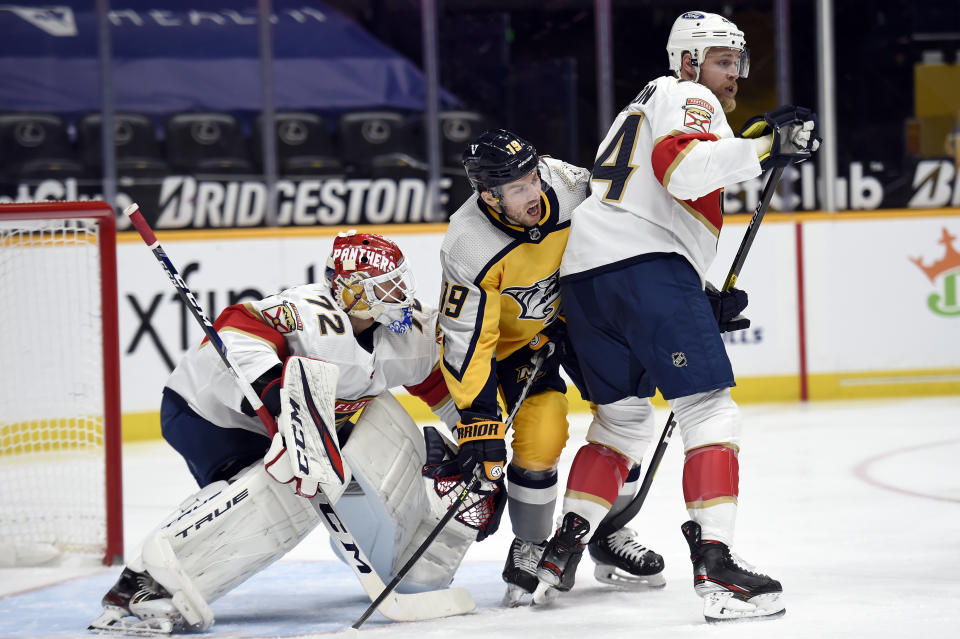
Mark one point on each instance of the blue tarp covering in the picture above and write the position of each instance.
(189, 55)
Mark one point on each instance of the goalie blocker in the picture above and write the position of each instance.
(230, 530)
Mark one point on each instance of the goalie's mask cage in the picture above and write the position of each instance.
(696, 31)
(496, 158)
(370, 279)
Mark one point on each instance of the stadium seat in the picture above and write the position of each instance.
(303, 143)
(135, 141)
(371, 138)
(206, 143)
(35, 146)
(457, 128)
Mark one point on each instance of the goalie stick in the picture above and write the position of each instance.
(623, 517)
(398, 607)
(538, 361)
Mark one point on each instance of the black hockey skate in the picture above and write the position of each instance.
(558, 565)
(623, 561)
(520, 570)
(731, 589)
(138, 595)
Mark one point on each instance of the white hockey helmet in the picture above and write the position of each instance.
(697, 31)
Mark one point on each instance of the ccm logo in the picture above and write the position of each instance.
(299, 439)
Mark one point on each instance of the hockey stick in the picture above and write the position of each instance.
(538, 361)
(623, 517)
(399, 607)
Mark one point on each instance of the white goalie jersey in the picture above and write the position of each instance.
(657, 184)
(304, 320)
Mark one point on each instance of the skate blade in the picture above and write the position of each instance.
(615, 577)
(113, 621)
(515, 597)
(723, 607)
(545, 594)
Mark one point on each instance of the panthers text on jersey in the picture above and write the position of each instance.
(304, 320)
(501, 283)
(657, 184)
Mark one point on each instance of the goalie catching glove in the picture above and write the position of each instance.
(305, 450)
(786, 134)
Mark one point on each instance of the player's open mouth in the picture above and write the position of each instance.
(534, 211)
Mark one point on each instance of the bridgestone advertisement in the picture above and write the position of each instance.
(192, 202)
(196, 202)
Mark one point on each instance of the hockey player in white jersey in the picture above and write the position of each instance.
(369, 334)
(632, 280)
(500, 306)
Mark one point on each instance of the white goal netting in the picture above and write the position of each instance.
(52, 449)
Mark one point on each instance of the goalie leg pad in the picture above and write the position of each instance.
(394, 514)
(226, 534)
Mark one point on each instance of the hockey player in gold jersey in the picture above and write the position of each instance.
(500, 304)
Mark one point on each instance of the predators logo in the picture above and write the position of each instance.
(540, 301)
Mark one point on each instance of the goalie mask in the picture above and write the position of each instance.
(697, 31)
(370, 279)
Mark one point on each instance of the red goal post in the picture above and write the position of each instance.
(60, 432)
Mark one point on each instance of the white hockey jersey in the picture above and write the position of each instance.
(657, 185)
(304, 320)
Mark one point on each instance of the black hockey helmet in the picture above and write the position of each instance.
(498, 157)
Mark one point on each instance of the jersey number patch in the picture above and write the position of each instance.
(328, 322)
(618, 171)
(452, 305)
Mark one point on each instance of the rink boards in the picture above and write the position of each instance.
(843, 306)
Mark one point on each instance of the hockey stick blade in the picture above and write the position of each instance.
(418, 606)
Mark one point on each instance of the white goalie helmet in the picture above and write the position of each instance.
(697, 31)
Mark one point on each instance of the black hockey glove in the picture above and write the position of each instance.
(481, 444)
(786, 134)
(267, 387)
(727, 306)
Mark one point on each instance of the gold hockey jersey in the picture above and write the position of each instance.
(501, 284)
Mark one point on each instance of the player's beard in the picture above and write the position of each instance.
(727, 102)
(521, 216)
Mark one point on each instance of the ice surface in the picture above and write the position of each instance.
(854, 506)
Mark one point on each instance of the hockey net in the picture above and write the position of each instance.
(60, 475)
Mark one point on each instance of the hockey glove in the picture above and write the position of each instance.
(481, 444)
(727, 306)
(480, 510)
(786, 134)
(267, 387)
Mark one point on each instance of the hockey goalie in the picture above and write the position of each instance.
(317, 355)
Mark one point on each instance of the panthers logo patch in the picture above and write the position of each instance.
(284, 318)
(696, 118)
